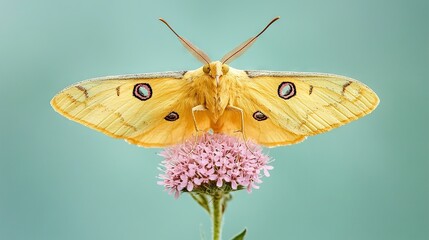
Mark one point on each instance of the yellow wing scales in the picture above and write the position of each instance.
(321, 102)
(108, 105)
(314, 103)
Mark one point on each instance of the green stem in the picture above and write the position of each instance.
(217, 215)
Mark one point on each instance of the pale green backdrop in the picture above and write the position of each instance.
(60, 180)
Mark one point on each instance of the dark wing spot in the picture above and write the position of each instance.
(118, 91)
(259, 116)
(286, 90)
(345, 86)
(310, 91)
(173, 116)
(142, 91)
(83, 90)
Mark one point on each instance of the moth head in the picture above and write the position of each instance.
(216, 70)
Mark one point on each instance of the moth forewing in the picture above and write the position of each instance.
(320, 101)
(131, 107)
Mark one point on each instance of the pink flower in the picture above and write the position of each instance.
(213, 162)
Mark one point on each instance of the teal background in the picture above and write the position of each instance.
(366, 180)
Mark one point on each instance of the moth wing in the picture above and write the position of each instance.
(115, 107)
(312, 103)
(267, 133)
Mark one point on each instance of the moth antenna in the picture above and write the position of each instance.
(196, 52)
(236, 52)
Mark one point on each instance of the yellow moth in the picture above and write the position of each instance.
(269, 108)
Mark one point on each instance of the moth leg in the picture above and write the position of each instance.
(233, 108)
(195, 109)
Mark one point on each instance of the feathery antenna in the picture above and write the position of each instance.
(236, 52)
(196, 52)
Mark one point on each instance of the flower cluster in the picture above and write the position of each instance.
(213, 161)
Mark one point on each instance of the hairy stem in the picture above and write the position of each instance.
(217, 201)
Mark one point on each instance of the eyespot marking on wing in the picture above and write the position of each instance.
(310, 91)
(259, 116)
(171, 117)
(118, 91)
(286, 90)
(142, 91)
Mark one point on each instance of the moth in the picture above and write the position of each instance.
(270, 108)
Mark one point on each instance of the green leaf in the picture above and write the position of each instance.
(240, 236)
(201, 199)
